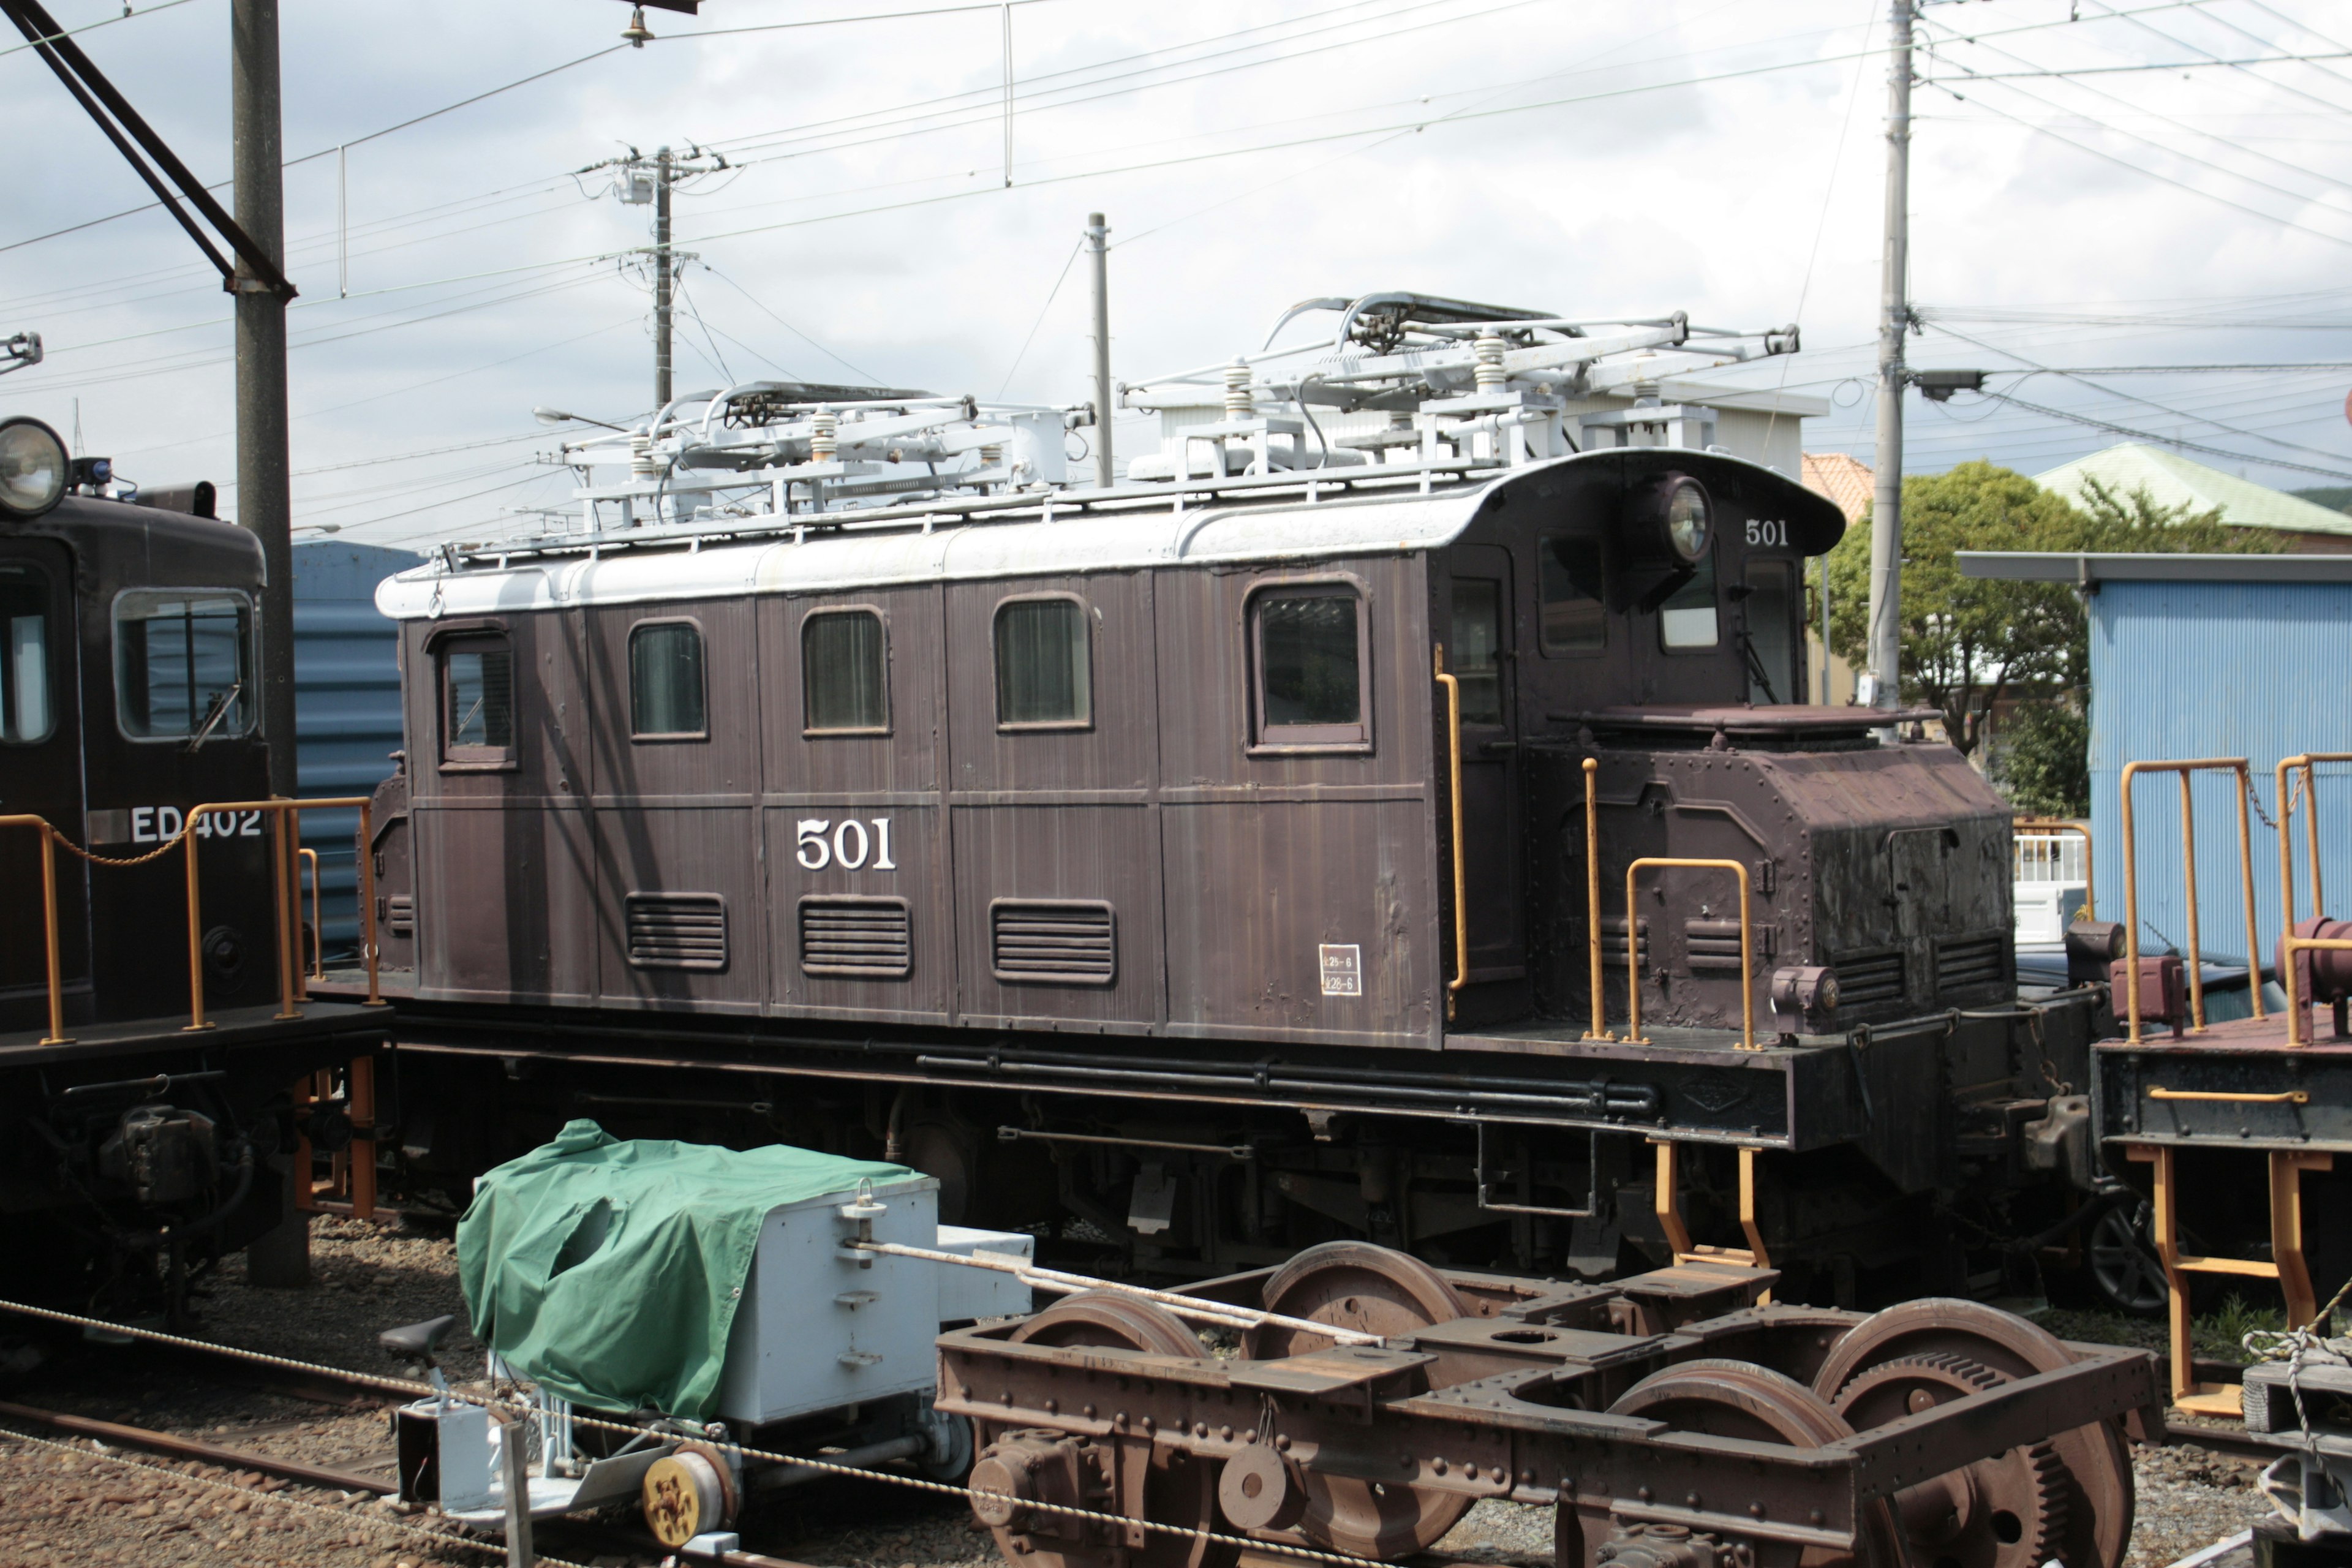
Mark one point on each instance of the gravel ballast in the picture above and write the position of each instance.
(60, 1507)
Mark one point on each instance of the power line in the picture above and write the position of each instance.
(2166, 440)
(89, 26)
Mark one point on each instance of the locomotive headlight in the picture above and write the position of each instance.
(1689, 520)
(33, 467)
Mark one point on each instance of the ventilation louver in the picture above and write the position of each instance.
(676, 930)
(1869, 979)
(1053, 943)
(1963, 963)
(860, 938)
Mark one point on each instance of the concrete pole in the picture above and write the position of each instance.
(264, 499)
(1097, 237)
(662, 280)
(1894, 319)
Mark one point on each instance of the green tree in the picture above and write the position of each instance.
(1967, 643)
(2040, 758)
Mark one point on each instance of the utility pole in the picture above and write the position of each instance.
(265, 505)
(264, 491)
(1097, 237)
(663, 278)
(1884, 642)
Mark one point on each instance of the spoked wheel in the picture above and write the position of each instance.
(1355, 1285)
(2121, 1261)
(1052, 1467)
(1740, 1399)
(2068, 1497)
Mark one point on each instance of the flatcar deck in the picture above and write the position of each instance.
(2238, 1084)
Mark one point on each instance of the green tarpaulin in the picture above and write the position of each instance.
(609, 1272)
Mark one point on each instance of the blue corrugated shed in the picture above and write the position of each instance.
(347, 707)
(2182, 670)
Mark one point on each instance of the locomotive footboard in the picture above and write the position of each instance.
(1675, 1419)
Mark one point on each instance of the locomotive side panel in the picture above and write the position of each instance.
(498, 727)
(1053, 760)
(1301, 864)
(852, 704)
(675, 798)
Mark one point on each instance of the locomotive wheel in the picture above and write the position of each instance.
(2006, 1512)
(1355, 1285)
(2095, 1518)
(1740, 1399)
(1350, 1285)
(1177, 1490)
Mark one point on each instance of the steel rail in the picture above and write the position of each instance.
(189, 1448)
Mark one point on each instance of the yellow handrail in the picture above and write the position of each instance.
(2291, 945)
(2055, 824)
(1599, 1030)
(56, 1035)
(1633, 947)
(1461, 874)
(284, 815)
(2238, 766)
(318, 952)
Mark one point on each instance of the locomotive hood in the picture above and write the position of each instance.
(843, 551)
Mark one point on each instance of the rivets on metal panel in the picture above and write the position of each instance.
(1814, 1517)
(1089, 1412)
(1756, 1511)
(1053, 1408)
(1226, 1434)
(1642, 1494)
(1282, 1443)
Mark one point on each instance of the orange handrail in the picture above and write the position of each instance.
(318, 952)
(1461, 872)
(56, 1035)
(284, 814)
(1633, 947)
(2289, 943)
(2238, 766)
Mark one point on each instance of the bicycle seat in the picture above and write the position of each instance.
(417, 1341)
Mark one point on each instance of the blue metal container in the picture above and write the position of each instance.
(347, 709)
(2218, 669)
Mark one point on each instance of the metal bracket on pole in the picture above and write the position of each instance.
(20, 351)
(148, 155)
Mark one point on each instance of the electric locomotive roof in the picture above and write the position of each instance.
(122, 531)
(1055, 533)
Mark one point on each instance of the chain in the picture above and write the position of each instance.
(158, 852)
(420, 1390)
(341, 1517)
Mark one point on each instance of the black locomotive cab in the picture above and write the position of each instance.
(129, 696)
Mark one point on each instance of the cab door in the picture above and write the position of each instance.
(40, 773)
(1478, 613)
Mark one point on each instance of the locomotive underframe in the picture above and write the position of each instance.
(1536, 1150)
(145, 1149)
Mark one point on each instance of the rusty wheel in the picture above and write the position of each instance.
(1740, 1399)
(1355, 1285)
(2006, 1512)
(1177, 1489)
(2091, 1512)
(1110, 1320)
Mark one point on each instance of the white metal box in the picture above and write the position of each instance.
(968, 1293)
(819, 1326)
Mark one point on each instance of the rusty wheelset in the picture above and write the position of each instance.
(1673, 1420)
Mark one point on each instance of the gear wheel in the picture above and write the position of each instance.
(2005, 1511)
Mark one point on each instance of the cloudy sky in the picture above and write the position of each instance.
(2095, 184)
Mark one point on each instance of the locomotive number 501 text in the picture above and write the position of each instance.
(850, 847)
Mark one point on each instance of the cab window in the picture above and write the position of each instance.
(1769, 616)
(1688, 619)
(1308, 649)
(1477, 649)
(1574, 618)
(666, 690)
(1044, 678)
(183, 663)
(25, 715)
(845, 674)
(477, 700)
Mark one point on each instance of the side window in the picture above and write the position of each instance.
(477, 700)
(1689, 620)
(1769, 637)
(666, 690)
(183, 663)
(1477, 649)
(1575, 619)
(1307, 646)
(845, 674)
(26, 716)
(1044, 674)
